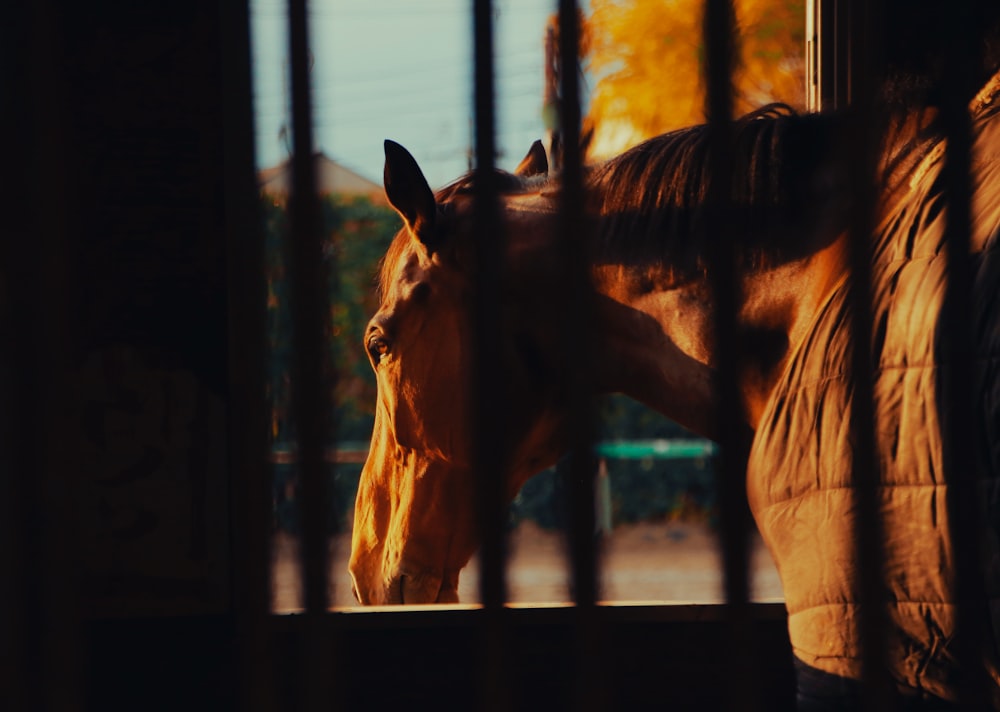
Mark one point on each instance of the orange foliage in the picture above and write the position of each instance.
(648, 56)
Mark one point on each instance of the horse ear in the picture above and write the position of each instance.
(408, 191)
(535, 163)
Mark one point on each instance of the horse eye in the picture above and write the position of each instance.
(378, 347)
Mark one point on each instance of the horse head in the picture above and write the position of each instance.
(414, 523)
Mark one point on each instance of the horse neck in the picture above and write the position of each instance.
(777, 310)
(658, 332)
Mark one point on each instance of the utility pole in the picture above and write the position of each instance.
(550, 106)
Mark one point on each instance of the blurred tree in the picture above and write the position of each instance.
(358, 233)
(647, 58)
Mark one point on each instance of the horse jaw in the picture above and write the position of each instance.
(409, 547)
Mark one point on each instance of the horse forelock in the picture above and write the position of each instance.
(390, 260)
(504, 183)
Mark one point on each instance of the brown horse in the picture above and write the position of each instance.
(414, 529)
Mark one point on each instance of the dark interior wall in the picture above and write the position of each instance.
(122, 164)
(114, 379)
(114, 497)
(145, 96)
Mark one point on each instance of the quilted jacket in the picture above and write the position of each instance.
(799, 475)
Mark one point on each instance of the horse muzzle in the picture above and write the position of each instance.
(410, 588)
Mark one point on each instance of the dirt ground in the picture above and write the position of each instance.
(668, 562)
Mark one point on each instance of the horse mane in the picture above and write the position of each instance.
(650, 199)
(654, 193)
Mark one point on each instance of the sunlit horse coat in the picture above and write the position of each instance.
(800, 463)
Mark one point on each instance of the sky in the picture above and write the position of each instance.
(400, 69)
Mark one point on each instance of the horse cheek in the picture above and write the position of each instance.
(429, 410)
(373, 512)
(401, 407)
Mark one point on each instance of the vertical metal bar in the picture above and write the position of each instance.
(579, 392)
(249, 473)
(848, 70)
(863, 137)
(814, 87)
(583, 465)
(487, 389)
(42, 514)
(310, 386)
(38, 326)
(17, 659)
(550, 102)
(958, 360)
(489, 252)
(719, 29)
(826, 79)
(836, 55)
(13, 553)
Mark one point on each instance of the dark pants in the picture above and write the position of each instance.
(819, 691)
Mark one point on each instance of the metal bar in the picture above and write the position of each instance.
(39, 345)
(660, 449)
(958, 359)
(249, 471)
(826, 76)
(656, 449)
(18, 506)
(583, 462)
(813, 79)
(573, 241)
(489, 402)
(836, 54)
(863, 136)
(488, 398)
(310, 383)
(734, 435)
(550, 100)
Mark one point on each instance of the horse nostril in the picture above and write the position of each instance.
(402, 589)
